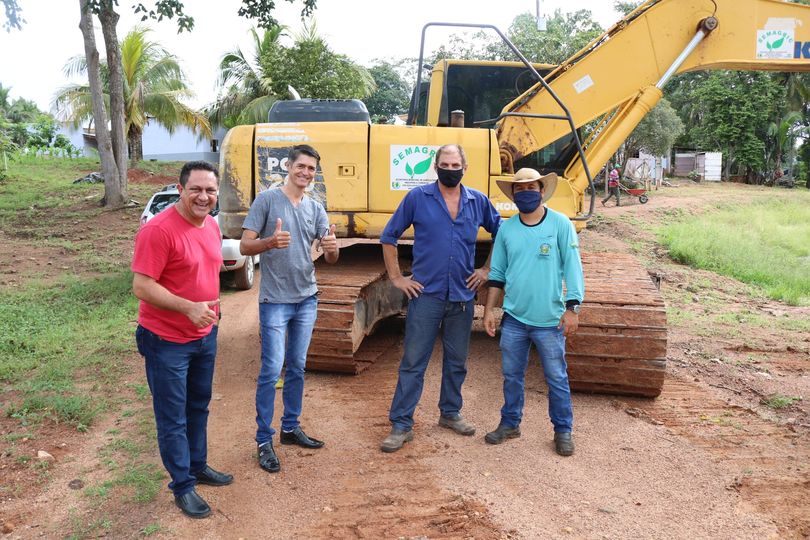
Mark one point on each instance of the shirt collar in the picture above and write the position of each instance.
(433, 190)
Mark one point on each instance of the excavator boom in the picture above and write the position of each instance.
(631, 61)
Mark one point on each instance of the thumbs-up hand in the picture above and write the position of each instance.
(280, 238)
(329, 241)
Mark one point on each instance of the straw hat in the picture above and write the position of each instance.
(525, 175)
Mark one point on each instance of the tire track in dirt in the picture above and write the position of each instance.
(773, 460)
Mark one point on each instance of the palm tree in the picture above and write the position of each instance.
(784, 132)
(245, 96)
(154, 85)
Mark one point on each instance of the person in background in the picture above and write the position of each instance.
(613, 187)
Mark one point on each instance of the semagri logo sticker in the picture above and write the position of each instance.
(412, 166)
(775, 43)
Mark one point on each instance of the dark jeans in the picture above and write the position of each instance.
(613, 192)
(180, 376)
(427, 317)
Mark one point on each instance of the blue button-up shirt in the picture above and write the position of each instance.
(443, 248)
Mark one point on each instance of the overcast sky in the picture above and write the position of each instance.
(31, 60)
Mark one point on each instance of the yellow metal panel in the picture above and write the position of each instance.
(435, 94)
(236, 179)
(402, 157)
(341, 183)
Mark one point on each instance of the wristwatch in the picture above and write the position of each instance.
(574, 308)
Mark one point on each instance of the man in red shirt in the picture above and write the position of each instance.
(176, 266)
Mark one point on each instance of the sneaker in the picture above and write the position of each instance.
(501, 434)
(564, 443)
(457, 424)
(396, 439)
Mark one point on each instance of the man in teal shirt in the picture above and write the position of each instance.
(534, 253)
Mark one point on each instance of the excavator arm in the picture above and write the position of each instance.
(620, 75)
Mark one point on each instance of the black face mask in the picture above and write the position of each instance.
(449, 177)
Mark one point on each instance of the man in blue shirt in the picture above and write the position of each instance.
(446, 217)
(536, 250)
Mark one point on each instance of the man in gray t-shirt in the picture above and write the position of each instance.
(282, 225)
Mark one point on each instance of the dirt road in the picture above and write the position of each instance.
(704, 460)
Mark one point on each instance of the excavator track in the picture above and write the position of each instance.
(621, 344)
(620, 347)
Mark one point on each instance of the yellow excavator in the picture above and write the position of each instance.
(509, 115)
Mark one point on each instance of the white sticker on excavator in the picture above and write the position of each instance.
(775, 43)
(583, 84)
(412, 166)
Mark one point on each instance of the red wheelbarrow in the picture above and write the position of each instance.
(641, 193)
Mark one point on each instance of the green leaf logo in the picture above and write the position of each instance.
(408, 169)
(423, 166)
(776, 44)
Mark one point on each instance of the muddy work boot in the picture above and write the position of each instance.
(564, 444)
(396, 439)
(457, 424)
(501, 434)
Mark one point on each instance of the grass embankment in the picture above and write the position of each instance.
(765, 243)
(67, 345)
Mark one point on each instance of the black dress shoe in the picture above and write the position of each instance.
(193, 505)
(210, 477)
(267, 458)
(297, 436)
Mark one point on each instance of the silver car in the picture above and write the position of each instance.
(242, 266)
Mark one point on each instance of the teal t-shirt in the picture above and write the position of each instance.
(533, 262)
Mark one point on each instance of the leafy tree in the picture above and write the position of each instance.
(314, 70)
(784, 132)
(391, 96)
(656, 132)
(154, 85)
(733, 109)
(22, 110)
(566, 33)
(111, 143)
(625, 7)
(246, 94)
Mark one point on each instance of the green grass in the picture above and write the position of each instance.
(766, 244)
(58, 336)
(778, 401)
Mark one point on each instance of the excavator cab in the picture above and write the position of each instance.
(482, 89)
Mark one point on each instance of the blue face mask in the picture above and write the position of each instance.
(527, 201)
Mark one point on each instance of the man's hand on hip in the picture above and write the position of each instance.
(478, 278)
(411, 288)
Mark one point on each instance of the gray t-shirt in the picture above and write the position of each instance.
(288, 275)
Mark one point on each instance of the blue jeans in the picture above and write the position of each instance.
(516, 338)
(180, 376)
(427, 317)
(286, 330)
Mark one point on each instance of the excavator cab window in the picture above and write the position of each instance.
(482, 91)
